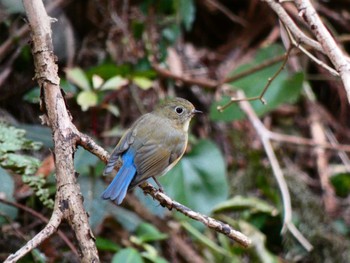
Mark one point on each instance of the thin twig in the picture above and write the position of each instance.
(50, 228)
(234, 18)
(24, 30)
(285, 18)
(268, 83)
(212, 223)
(322, 163)
(334, 53)
(43, 219)
(265, 64)
(277, 171)
(166, 201)
(307, 53)
(307, 142)
(206, 83)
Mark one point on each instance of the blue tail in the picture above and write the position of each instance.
(117, 189)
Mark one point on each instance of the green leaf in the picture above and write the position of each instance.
(114, 83)
(37, 183)
(13, 139)
(84, 161)
(243, 203)
(33, 96)
(285, 88)
(19, 163)
(148, 233)
(258, 243)
(204, 239)
(92, 187)
(12, 7)
(154, 259)
(106, 245)
(341, 183)
(87, 99)
(128, 219)
(112, 109)
(127, 255)
(186, 10)
(142, 82)
(199, 179)
(68, 87)
(38, 133)
(7, 187)
(171, 33)
(78, 77)
(107, 70)
(97, 81)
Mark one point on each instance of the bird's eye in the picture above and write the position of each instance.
(179, 110)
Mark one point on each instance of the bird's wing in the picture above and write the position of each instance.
(153, 159)
(122, 146)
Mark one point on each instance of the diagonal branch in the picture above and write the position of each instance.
(68, 201)
(89, 145)
(330, 47)
(277, 171)
(50, 228)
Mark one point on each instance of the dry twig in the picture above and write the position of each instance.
(68, 201)
(277, 171)
(43, 219)
(330, 47)
(166, 201)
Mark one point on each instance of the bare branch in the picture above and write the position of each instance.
(277, 171)
(212, 223)
(334, 53)
(68, 201)
(285, 18)
(43, 219)
(267, 85)
(50, 228)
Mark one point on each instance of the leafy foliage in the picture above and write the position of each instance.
(127, 255)
(37, 183)
(12, 140)
(286, 88)
(7, 188)
(341, 183)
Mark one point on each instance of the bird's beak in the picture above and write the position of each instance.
(196, 112)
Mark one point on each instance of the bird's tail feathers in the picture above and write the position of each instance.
(117, 189)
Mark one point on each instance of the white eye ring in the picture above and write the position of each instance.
(179, 110)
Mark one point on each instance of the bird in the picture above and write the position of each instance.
(149, 148)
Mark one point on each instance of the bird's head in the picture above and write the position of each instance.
(177, 110)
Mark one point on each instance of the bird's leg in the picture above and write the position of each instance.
(159, 185)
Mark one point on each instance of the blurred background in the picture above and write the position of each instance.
(117, 59)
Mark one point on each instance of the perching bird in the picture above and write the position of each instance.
(150, 148)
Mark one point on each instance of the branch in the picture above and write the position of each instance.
(285, 18)
(50, 228)
(334, 53)
(207, 83)
(43, 219)
(277, 171)
(212, 223)
(267, 85)
(166, 201)
(68, 201)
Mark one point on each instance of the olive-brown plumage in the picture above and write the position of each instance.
(150, 147)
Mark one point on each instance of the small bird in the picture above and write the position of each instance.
(150, 148)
